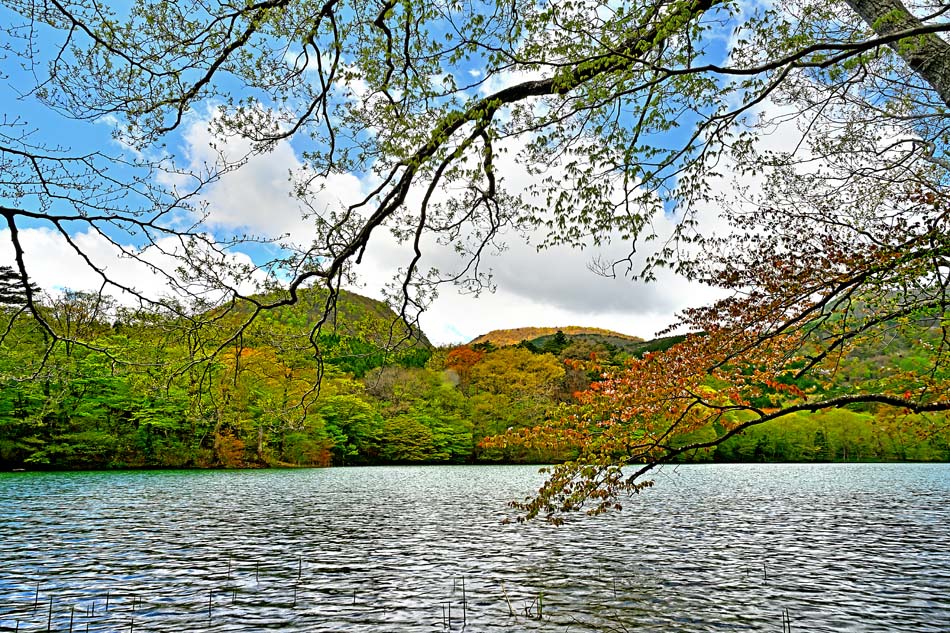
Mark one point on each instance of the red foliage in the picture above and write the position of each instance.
(462, 359)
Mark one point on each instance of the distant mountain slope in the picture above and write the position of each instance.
(356, 316)
(655, 345)
(513, 336)
(583, 344)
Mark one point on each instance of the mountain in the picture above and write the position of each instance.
(513, 336)
(362, 334)
(355, 316)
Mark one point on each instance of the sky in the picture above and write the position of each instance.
(553, 287)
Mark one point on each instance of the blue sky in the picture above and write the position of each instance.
(552, 287)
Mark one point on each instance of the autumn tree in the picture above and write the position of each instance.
(844, 277)
(514, 388)
(460, 360)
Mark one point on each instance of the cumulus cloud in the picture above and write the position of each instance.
(549, 287)
(256, 198)
(55, 265)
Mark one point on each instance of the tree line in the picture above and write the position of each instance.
(265, 400)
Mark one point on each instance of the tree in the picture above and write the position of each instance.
(353, 426)
(460, 361)
(515, 371)
(12, 291)
(621, 114)
(556, 344)
(842, 281)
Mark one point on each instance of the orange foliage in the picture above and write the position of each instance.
(461, 360)
(229, 450)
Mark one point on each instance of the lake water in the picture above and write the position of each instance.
(855, 547)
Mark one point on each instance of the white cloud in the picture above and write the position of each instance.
(54, 265)
(257, 197)
(459, 318)
(552, 287)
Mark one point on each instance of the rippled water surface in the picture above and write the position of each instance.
(710, 548)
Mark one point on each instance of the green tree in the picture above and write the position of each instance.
(13, 292)
(556, 344)
(353, 426)
(425, 417)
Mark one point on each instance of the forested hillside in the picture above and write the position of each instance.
(513, 336)
(192, 398)
(386, 395)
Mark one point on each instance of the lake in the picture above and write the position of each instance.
(831, 547)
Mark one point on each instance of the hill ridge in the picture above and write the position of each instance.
(513, 336)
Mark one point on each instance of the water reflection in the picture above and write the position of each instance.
(710, 548)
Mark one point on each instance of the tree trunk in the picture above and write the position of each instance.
(260, 442)
(928, 55)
